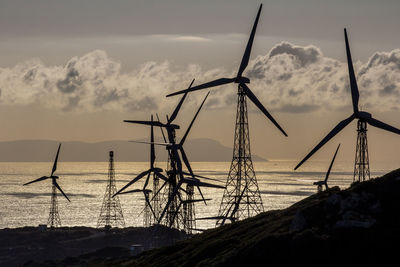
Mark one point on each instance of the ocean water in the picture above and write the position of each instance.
(85, 184)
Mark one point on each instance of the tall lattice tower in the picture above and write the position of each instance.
(361, 163)
(156, 199)
(111, 211)
(189, 215)
(173, 216)
(242, 198)
(54, 218)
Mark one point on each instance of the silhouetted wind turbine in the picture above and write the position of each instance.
(361, 165)
(152, 169)
(174, 147)
(176, 154)
(54, 218)
(242, 167)
(239, 79)
(157, 172)
(324, 182)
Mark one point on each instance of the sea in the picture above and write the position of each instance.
(85, 184)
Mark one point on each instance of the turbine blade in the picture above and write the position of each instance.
(175, 113)
(213, 218)
(200, 176)
(147, 181)
(171, 197)
(382, 125)
(255, 100)
(159, 190)
(131, 191)
(152, 151)
(186, 161)
(330, 166)
(154, 123)
(149, 143)
(214, 83)
(161, 176)
(162, 130)
(55, 161)
(146, 197)
(178, 162)
(37, 180)
(133, 181)
(194, 118)
(331, 134)
(202, 184)
(59, 188)
(353, 82)
(246, 55)
(194, 200)
(201, 194)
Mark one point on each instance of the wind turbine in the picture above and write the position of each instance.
(361, 166)
(324, 182)
(175, 173)
(54, 217)
(173, 148)
(241, 173)
(156, 172)
(239, 79)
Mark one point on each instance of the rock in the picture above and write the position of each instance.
(352, 219)
(299, 222)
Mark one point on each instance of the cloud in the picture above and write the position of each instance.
(189, 38)
(289, 78)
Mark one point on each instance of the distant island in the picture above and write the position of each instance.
(44, 151)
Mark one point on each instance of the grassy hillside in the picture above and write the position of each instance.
(360, 225)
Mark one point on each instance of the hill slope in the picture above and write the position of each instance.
(360, 225)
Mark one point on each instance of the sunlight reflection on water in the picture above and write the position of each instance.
(85, 182)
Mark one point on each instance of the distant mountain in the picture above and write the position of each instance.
(44, 151)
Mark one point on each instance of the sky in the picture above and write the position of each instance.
(74, 70)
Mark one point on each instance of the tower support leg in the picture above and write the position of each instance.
(361, 164)
(241, 198)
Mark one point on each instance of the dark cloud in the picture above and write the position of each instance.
(299, 108)
(146, 103)
(105, 96)
(388, 90)
(30, 75)
(71, 82)
(303, 55)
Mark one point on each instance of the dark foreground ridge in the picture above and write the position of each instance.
(32, 246)
(359, 225)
